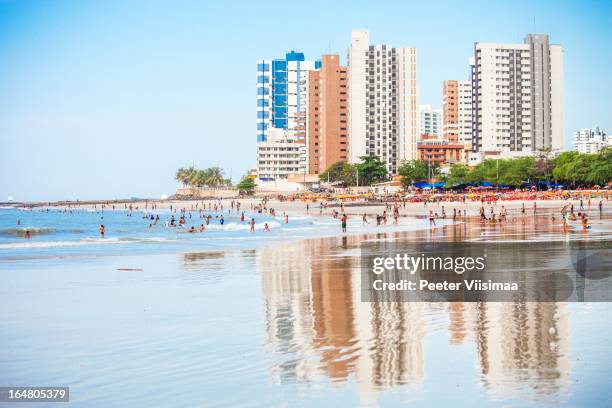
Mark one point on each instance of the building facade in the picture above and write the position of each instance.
(327, 115)
(518, 97)
(282, 94)
(590, 140)
(464, 112)
(450, 106)
(430, 121)
(442, 152)
(280, 155)
(383, 110)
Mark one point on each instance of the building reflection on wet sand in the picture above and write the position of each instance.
(317, 326)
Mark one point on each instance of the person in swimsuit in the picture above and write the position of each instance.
(343, 221)
(102, 230)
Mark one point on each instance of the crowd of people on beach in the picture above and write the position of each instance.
(214, 211)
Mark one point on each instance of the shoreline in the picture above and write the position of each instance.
(298, 207)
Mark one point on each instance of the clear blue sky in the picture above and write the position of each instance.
(102, 99)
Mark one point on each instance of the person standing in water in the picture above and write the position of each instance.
(252, 224)
(101, 230)
(343, 221)
(432, 221)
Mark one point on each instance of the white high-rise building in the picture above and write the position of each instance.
(383, 110)
(430, 121)
(464, 102)
(590, 140)
(518, 97)
(282, 94)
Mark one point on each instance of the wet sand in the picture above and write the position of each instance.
(285, 325)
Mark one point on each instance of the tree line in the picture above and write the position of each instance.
(210, 177)
(572, 169)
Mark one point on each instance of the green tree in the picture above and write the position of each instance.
(198, 178)
(246, 185)
(371, 170)
(600, 167)
(183, 174)
(215, 176)
(415, 170)
(458, 174)
(340, 171)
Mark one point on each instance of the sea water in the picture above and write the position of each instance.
(59, 232)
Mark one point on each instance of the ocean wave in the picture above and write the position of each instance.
(85, 241)
(19, 232)
(233, 226)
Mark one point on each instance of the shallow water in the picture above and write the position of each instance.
(283, 325)
(58, 233)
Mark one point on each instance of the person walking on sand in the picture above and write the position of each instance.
(343, 220)
(432, 221)
(101, 230)
(365, 219)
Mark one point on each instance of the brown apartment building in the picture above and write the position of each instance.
(450, 109)
(327, 132)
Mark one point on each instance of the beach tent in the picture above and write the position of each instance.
(422, 184)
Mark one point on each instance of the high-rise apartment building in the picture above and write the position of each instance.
(282, 95)
(590, 140)
(464, 112)
(383, 110)
(518, 97)
(430, 121)
(327, 115)
(450, 106)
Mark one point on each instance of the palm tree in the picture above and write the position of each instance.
(215, 176)
(184, 174)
